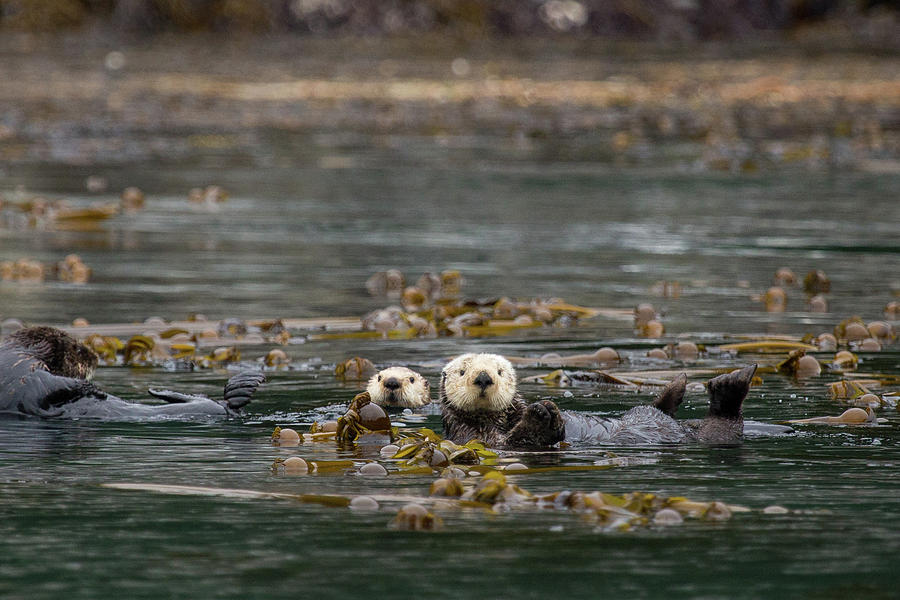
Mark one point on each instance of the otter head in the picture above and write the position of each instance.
(61, 353)
(479, 382)
(399, 386)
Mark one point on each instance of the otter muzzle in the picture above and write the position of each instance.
(483, 381)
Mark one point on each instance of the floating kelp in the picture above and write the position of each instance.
(826, 342)
(355, 368)
(651, 329)
(415, 517)
(106, 347)
(564, 378)
(276, 358)
(785, 276)
(844, 361)
(191, 490)
(799, 364)
(845, 389)
(775, 299)
(427, 449)
(881, 378)
(285, 436)
(142, 349)
(363, 417)
(892, 310)
(73, 270)
(296, 465)
(851, 329)
(209, 196)
(470, 318)
(817, 304)
(644, 313)
(816, 282)
(25, 270)
(684, 350)
(492, 492)
(42, 213)
(765, 347)
(603, 356)
(851, 416)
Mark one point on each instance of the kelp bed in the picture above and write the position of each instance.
(687, 190)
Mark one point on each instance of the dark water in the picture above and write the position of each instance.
(299, 240)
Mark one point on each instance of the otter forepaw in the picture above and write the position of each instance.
(541, 426)
(542, 412)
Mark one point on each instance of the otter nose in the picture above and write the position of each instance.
(483, 380)
(392, 383)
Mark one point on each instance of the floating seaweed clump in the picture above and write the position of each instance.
(470, 318)
(69, 270)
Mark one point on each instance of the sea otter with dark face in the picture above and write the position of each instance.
(479, 400)
(44, 372)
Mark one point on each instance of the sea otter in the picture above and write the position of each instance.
(479, 400)
(399, 387)
(45, 372)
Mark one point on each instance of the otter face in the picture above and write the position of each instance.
(479, 382)
(399, 386)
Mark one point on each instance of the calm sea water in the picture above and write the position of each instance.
(296, 239)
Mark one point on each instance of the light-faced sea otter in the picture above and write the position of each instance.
(45, 372)
(399, 387)
(479, 400)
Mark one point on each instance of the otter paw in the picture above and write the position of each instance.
(543, 413)
(541, 425)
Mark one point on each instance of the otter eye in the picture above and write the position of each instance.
(379, 378)
(499, 372)
(462, 371)
(412, 379)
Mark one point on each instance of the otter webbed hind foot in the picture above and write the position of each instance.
(541, 426)
(240, 388)
(727, 392)
(672, 395)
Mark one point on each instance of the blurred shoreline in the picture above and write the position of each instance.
(740, 106)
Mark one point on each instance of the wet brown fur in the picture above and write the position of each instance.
(61, 353)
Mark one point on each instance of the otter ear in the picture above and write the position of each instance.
(427, 385)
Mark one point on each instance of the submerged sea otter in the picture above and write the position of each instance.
(479, 400)
(44, 372)
(399, 387)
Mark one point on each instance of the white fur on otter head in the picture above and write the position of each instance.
(472, 382)
(399, 386)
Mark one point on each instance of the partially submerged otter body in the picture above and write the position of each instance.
(479, 401)
(41, 369)
(640, 425)
(44, 371)
(724, 424)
